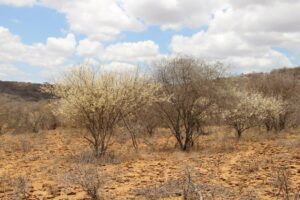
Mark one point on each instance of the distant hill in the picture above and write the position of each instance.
(27, 91)
(293, 71)
(31, 91)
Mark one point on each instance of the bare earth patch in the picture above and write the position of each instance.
(41, 167)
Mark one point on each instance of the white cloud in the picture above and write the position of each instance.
(251, 3)
(230, 48)
(87, 47)
(280, 16)
(8, 72)
(141, 51)
(52, 54)
(97, 19)
(11, 47)
(174, 14)
(246, 34)
(18, 2)
(243, 33)
(119, 67)
(132, 52)
(261, 63)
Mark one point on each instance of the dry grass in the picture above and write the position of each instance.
(220, 167)
(89, 179)
(184, 188)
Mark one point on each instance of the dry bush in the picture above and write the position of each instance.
(84, 157)
(250, 167)
(5, 104)
(19, 143)
(222, 144)
(88, 178)
(282, 85)
(22, 186)
(149, 120)
(289, 143)
(100, 101)
(33, 117)
(87, 156)
(22, 116)
(25, 144)
(15, 188)
(282, 185)
(190, 189)
(185, 188)
(193, 92)
(5, 181)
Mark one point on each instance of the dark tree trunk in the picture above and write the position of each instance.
(239, 134)
(268, 126)
(188, 143)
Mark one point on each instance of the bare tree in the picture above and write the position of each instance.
(192, 88)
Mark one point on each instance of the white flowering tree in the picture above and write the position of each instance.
(251, 109)
(101, 101)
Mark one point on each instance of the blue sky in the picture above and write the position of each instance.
(33, 24)
(41, 39)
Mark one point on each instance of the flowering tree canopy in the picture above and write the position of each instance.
(100, 101)
(251, 109)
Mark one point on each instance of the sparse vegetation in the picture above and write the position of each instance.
(21, 186)
(186, 112)
(89, 179)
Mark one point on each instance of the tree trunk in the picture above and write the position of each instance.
(188, 140)
(268, 126)
(239, 134)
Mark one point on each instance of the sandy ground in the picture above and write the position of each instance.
(222, 167)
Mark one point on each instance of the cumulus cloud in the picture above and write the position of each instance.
(53, 53)
(230, 48)
(7, 70)
(141, 51)
(11, 46)
(101, 20)
(87, 47)
(246, 35)
(135, 51)
(56, 52)
(119, 67)
(174, 14)
(98, 19)
(280, 16)
(18, 2)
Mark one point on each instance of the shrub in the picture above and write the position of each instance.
(249, 110)
(88, 178)
(283, 85)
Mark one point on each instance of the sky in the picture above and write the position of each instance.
(40, 39)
